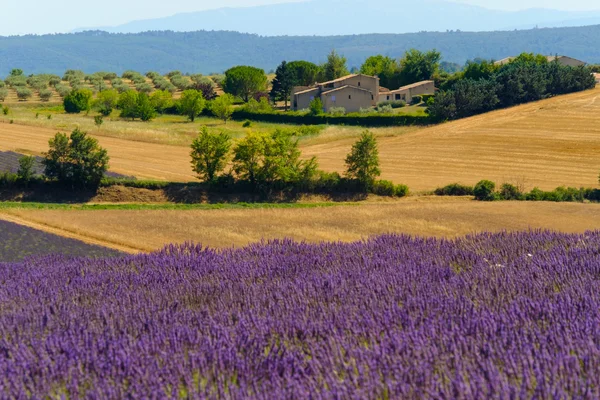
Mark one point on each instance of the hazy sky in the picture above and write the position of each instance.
(42, 16)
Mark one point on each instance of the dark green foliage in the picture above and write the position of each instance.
(477, 70)
(5, 110)
(247, 124)
(484, 190)
(362, 163)
(76, 161)
(335, 67)
(77, 101)
(455, 189)
(128, 102)
(210, 154)
(26, 169)
(161, 100)
(510, 192)
(354, 119)
(305, 73)
(244, 81)
(384, 67)
(98, 121)
(418, 66)
(401, 190)
(283, 83)
(383, 188)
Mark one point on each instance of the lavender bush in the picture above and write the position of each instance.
(493, 316)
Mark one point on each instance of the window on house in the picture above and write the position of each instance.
(388, 97)
(332, 98)
(358, 83)
(312, 98)
(350, 96)
(372, 98)
(397, 97)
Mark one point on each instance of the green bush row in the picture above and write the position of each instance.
(354, 119)
(486, 191)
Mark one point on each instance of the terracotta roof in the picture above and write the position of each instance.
(345, 87)
(383, 89)
(549, 58)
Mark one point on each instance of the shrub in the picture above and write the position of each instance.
(307, 130)
(401, 190)
(210, 153)
(337, 111)
(5, 110)
(316, 107)
(247, 124)
(362, 162)
(8, 179)
(23, 93)
(386, 109)
(98, 121)
(393, 104)
(26, 171)
(510, 192)
(222, 107)
(484, 190)
(383, 188)
(3, 94)
(78, 101)
(77, 160)
(62, 90)
(143, 87)
(455, 189)
(45, 95)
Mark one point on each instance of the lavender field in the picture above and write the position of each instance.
(18, 242)
(493, 316)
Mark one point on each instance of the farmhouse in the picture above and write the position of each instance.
(597, 76)
(562, 60)
(406, 93)
(351, 92)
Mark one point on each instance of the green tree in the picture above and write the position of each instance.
(106, 102)
(263, 159)
(283, 84)
(244, 81)
(316, 106)
(191, 104)
(128, 102)
(335, 67)
(26, 171)
(484, 190)
(24, 93)
(210, 154)
(16, 72)
(304, 73)
(98, 121)
(483, 69)
(3, 94)
(161, 100)
(222, 107)
(145, 110)
(382, 66)
(78, 101)
(362, 162)
(418, 66)
(45, 95)
(77, 160)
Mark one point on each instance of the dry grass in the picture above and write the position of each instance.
(546, 144)
(440, 217)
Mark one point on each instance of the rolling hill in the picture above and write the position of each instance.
(215, 51)
(340, 17)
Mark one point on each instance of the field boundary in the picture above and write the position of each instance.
(69, 234)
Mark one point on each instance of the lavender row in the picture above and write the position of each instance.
(494, 316)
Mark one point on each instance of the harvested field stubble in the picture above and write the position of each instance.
(149, 230)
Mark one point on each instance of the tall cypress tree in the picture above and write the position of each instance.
(283, 83)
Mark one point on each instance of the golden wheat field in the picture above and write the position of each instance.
(135, 231)
(546, 144)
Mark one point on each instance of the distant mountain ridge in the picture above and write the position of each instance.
(207, 52)
(350, 17)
